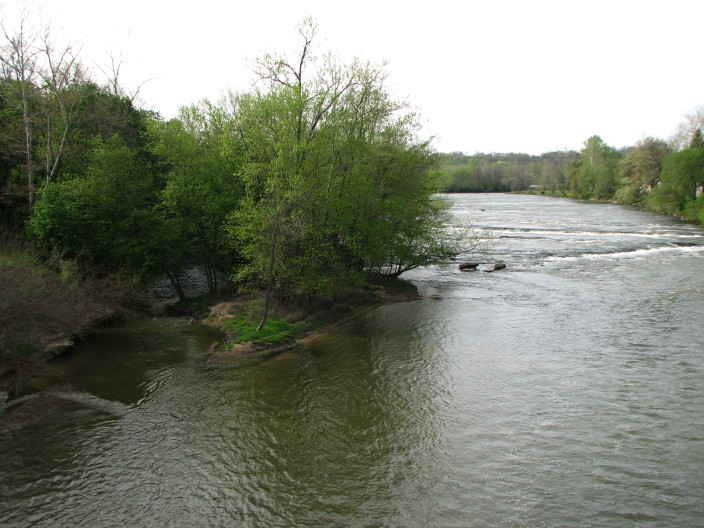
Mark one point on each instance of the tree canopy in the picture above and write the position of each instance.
(313, 180)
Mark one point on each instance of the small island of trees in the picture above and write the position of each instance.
(312, 183)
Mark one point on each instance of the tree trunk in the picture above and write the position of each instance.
(176, 283)
(28, 145)
(211, 277)
(269, 286)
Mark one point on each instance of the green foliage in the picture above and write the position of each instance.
(274, 330)
(18, 350)
(649, 174)
(336, 184)
(682, 173)
(108, 214)
(695, 210)
(504, 172)
(198, 306)
(203, 182)
(594, 175)
(640, 170)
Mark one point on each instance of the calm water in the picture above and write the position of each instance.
(567, 390)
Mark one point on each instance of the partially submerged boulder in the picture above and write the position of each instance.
(472, 266)
(469, 266)
(496, 267)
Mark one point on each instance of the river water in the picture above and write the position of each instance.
(566, 390)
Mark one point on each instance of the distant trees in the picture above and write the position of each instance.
(594, 173)
(639, 171)
(666, 176)
(680, 182)
(504, 172)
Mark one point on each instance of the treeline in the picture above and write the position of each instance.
(665, 176)
(662, 176)
(312, 181)
(505, 172)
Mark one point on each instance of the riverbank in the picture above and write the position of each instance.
(292, 325)
(44, 312)
(693, 218)
(48, 309)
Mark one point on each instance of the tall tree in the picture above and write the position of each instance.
(337, 185)
(65, 84)
(596, 174)
(681, 176)
(640, 170)
(687, 129)
(19, 59)
(204, 185)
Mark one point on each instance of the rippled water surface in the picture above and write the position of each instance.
(566, 390)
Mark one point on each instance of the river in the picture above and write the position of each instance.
(566, 390)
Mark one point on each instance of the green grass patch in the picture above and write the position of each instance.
(274, 331)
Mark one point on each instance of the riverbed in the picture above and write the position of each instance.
(565, 390)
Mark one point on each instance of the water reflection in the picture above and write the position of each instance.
(355, 430)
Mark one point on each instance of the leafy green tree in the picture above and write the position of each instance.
(19, 62)
(682, 174)
(595, 175)
(108, 215)
(203, 186)
(639, 171)
(336, 183)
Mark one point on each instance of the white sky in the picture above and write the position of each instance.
(487, 76)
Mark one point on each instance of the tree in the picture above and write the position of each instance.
(639, 171)
(337, 185)
(203, 183)
(682, 174)
(108, 215)
(19, 59)
(687, 130)
(594, 175)
(114, 81)
(65, 84)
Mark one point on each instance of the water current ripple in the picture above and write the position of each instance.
(566, 390)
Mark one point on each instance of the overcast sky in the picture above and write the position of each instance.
(487, 76)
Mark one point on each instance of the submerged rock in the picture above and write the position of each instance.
(472, 266)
